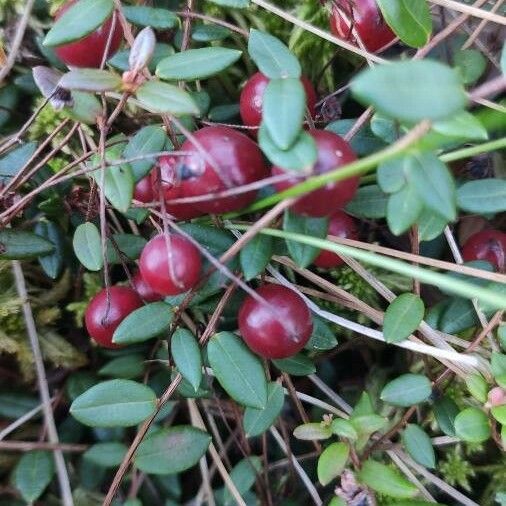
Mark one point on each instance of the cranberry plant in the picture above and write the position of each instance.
(252, 252)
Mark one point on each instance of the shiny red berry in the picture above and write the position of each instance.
(102, 317)
(278, 328)
(166, 175)
(340, 225)
(333, 152)
(365, 17)
(146, 293)
(237, 161)
(252, 98)
(489, 245)
(143, 191)
(89, 51)
(170, 265)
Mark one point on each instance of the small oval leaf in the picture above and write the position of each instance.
(332, 462)
(87, 246)
(187, 357)
(407, 390)
(257, 421)
(419, 446)
(402, 317)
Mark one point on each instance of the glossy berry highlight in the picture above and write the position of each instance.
(489, 245)
(229, 159)
(170, 265)
(340, 225)
(278, 328)
(89, 51)
(252, 94)
(102, 318)
(333, 152)
(363, 16)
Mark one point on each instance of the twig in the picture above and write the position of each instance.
(471, 10)
(21, 420)
(481, 26)
(61, 470)
(28, 446)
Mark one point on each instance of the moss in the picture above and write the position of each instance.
(456, 469)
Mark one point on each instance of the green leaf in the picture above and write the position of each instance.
(14, 160)
(411, 90)
(106, 455)
(144, 323)
(498, 364)
(239, 371)
(364, 406)
(257, 421)
(332, 461)
(120, 60)
(301, 155)
(445, 412)
(115, 403)
(419, 446)
(195, 64)
(385, 480)
(118, 184)
(160, 97)
(485, 196)
(149, 139)
(344, 429)
(298, 365)
(407, 390)
(391, 175)
(499, 413)
(52, 264)
(402, 317)
(367, 424)
(403, 209)
(430, 225)
(470, 64)
(21, 245)
(141, 15)
(363, 143)
(210, 33)
(87, 246)
(459, 315)
(129, 245)
(410, 20)
(463, 125)
(283, 108)
(14, 405)
(33, 473)
(241, 4)
(472, 426)
(369, 202)
(186, 354)
(243, 475)
(90, 80)
(86, 108)
(172, 450)
(434, 184)
(78, 21)
(303, 254)
(322, 338)
(128, 367)
(477, 387)
(256, 255)
(314, 431)
(272, 57)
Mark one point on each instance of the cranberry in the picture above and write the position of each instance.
(279, 328)
(340, 225)
(171, 189)
(89, 51)
(252, 98)
(489, 245)
(143, 191)
(333, 152)
(238, 161)
(102, 318)
(365, 17)
(144, 290)
(170, 270)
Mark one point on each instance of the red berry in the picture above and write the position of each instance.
(278, 329)
(340, 225)
(102, 317)
(238, 161)
(170, 270)
(89, 51)
(365, 17)
(489, 245)
(333, 152)
(143, 191)
(171, 189)
(252, 98)
(145, 291)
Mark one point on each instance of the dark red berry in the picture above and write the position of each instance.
(237, 161)
(489, 245)
(89, 51)
(365, 17)
(102, 317)
(143, 191)
(146, 293)
(340, 225)
(252, 98)
(333, 152)
(167, 176)
(170, 265)
(279, 328)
